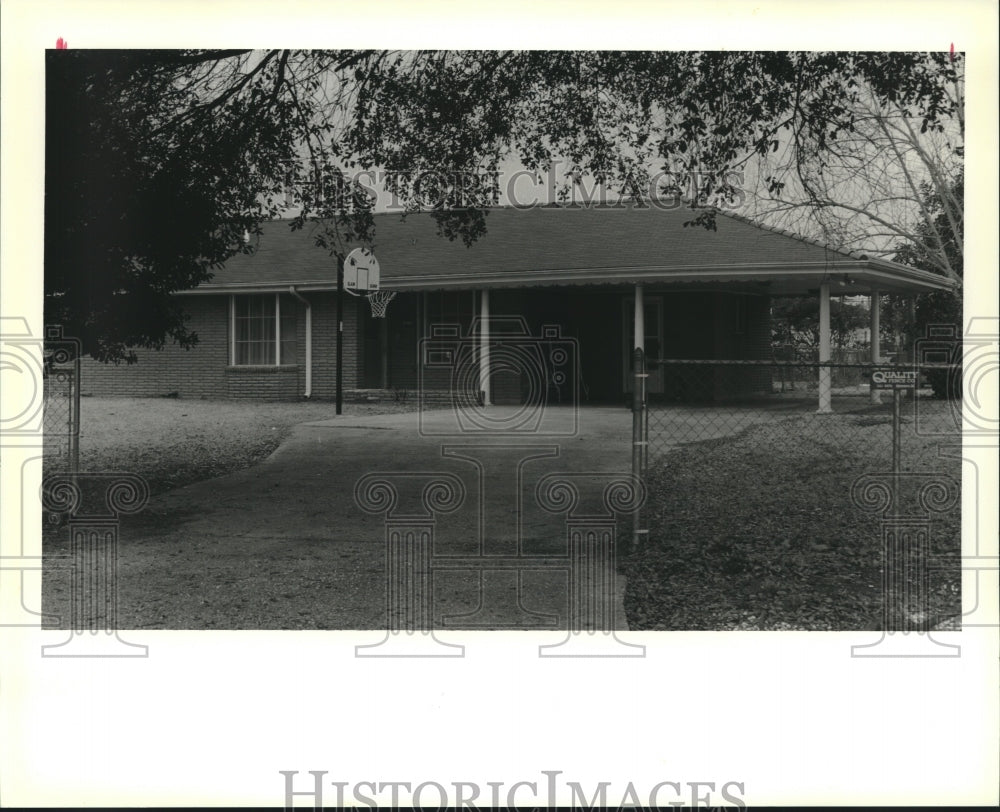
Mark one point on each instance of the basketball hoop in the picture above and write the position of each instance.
(361, 272)
(379, 300)
(361, 278)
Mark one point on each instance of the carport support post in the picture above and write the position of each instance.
(874, 304)
(340, 334)
(824, 350)
(484, 345)
(639, 427)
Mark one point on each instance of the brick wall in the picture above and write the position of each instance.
(263, 383)
(324, 344)
(205, 372)
(198, 372)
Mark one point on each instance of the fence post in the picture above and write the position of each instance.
(640, 438)
(896, 444)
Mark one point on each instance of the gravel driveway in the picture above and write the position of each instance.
(283, 545)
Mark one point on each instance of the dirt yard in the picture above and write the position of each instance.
(759, 530)
(755, 530)
(175, 442)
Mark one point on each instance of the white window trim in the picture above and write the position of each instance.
(232, 330)
(277, 330)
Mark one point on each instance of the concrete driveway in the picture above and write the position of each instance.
(286, 544)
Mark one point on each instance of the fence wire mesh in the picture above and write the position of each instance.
(61, 417)
(779, 406)
(752, 470)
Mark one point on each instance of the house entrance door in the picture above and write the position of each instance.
(653, 341)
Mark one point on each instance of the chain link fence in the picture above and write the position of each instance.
(781, 406)
(753, 471)
(61, 375)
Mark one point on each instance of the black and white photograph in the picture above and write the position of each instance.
(375, 377)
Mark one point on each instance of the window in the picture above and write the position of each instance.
(262, 330)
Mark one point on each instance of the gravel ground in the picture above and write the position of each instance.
(174, 442)
(753, 531)
(283, 545)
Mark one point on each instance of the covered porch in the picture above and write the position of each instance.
(497, 343)
(611, 279)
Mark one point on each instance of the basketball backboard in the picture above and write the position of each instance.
(361, 272)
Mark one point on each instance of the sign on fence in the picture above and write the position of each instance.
(893, 378)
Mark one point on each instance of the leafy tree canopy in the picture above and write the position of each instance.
(795, 322)
(158, 162)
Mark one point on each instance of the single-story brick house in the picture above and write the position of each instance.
(582, 276)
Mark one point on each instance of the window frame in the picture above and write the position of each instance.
(278, 338)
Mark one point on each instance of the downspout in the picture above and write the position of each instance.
(484, 345)
(309, 340)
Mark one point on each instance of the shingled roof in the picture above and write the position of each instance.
(569, 246)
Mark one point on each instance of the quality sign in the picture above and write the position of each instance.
(890, 378)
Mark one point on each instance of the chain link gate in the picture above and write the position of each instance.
(61, 381)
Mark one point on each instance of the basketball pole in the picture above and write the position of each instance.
(340, 334)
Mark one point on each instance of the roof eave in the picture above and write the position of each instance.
(864, 276)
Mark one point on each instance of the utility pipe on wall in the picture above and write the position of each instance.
(484, 345)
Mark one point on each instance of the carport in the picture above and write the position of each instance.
(617, 278)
